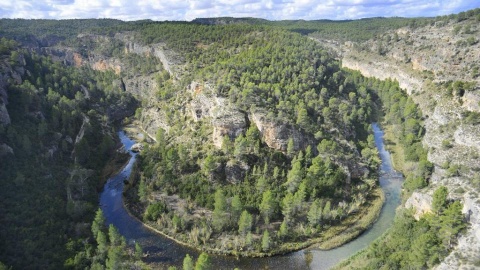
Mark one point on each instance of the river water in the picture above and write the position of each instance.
(163, 251)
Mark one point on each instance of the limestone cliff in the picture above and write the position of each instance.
(425, 61)
(276, 134)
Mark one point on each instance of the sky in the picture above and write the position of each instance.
(178, 10)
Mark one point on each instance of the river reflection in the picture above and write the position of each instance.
(163, 251)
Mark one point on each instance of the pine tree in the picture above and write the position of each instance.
(98, 223)
(245, 223)
(219, 219)
(439, 201)
(237, 207)
(290, 147)
(267, 206)
(283, 231)
(315, 213)
(188, 263)
(266, 241)
(203, 262)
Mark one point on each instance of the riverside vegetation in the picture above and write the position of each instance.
(278, 154)
(281, 196)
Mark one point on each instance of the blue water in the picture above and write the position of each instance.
(163, 251)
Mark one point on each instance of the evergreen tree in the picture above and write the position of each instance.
(98, 223)
(203, 262)
(315, 213)
(267, 206)
(266, 241)
(219, 213)
(439, 201)
(237, 207)
(188, 263)
(245, 223)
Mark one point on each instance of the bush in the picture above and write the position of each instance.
(154, 211)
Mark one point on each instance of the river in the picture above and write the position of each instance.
(163, 251)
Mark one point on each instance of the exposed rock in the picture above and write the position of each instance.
(276, 134)
(419, 60)
(235, 171)
(384, 70)
(170, 60)
(227, 121)
(202, 100)
(225, 117)
(152, 119)
(136, 147)
(5, 150)
(421, 202)
(142, 86)
(471, 101)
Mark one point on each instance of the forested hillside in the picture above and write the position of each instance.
(256, 140)
(53, 153)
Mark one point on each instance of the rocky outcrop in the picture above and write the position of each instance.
(171, 61)
(141, 86)
(235, 171)
(420, 202)
(136, 147)
(468, 135)
(226, 118)
(419, 60)
(383, 69)
(152, 119)
(5, 150)
(277, 134)
(227, 122)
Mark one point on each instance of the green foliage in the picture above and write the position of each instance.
(48, 110)
(188, 263)
(203, 262)
(154, 211)
(245, 223)
(417, 244)
(219, 213)
(267, 207)
(266, 243)
(439, 201)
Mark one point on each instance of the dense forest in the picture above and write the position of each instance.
(240, 194)
(59, 136)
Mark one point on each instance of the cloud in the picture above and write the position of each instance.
(267, 9)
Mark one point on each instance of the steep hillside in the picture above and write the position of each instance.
(438, 66)
(56, 136)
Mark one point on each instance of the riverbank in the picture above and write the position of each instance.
(165, 251)
(331, 236)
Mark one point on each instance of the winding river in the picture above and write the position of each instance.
(163, 251)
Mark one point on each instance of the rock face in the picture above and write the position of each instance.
(235, 171)
(420, 202)
(227, 122)
(418, 60)
(226, 119)
(276, 135)
(170, 60)
(383, 70)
